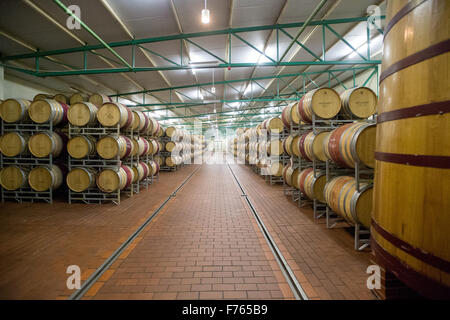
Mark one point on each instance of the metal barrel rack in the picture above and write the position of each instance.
(27, 194)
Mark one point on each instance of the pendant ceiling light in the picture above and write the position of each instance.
(205, 15)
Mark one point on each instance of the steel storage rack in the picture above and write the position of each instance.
(27, 194)
(95, 162)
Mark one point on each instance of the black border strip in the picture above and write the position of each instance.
(438, 162)
(425, 286)
(422, 55)
(417, 253)
(440, 108)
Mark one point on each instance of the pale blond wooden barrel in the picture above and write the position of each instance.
(110, 147)
(153, 147)
(359, 102)
(351, 143)
(274, 125)
(82, 146)
(43, 111)
(60, 98)
(77, 97)
(343, 198)
(141, 122)
(82, 113)
(13, 144)
(325, 103)
(314, 185)
(411, 220)
(286, 116)
(42, 96)
(112, 180)
(80, 179)
(275, 148)
(295, 146)
(14, 110)
(170, 146)
(314, 145)
(43, 144)
(173, 161)
(140, 171)
(14, 177)
(143, 146)
(159, 160)
(112, 114)
(99, 99)
(43, 178)
(153, 167)
(276, 169)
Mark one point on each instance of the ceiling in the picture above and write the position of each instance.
(27, 25)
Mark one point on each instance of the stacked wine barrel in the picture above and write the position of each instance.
(32, 147)
(110, 149)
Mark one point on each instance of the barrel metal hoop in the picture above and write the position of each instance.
(424, 285)
(354, 201)
(410, 6)
(419, 254)
(440, 108)
(439, 162)
(344, 213)
(425, 54)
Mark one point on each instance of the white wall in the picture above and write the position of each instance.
(13, 87)
(360, 79)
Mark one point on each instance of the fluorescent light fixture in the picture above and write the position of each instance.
(205, 16)
(203, 63)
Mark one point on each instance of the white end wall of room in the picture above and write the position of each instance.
(13, 87)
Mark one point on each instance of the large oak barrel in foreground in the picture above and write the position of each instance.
(411, 215)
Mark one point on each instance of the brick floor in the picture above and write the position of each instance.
(38, 241)
(204, 244)
(324, 261)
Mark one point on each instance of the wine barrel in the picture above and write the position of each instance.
(153, 147)
(313, 145)
(112, 114)
(142, 146)
(275, 148)
(276, 169)
(355, 207)
(170, 131)
(301, 179)
(161, 132)
(44, 178)
(13, 144)
(14, 177)
(43, 111)
(286, 116)
(82, 113)
(140, 171)
(14, 110)
(110, 147)
(411, 220)
(295, 146)
(159, 160)
(60, 98)
(314, 185)
(42, 96)
(173, 161)
(291, 176)
(359, 102)
(153, 167)
(99, 99)
(239, 131)
(112, 180)
(170, 146)
(141, 122)
(302, 147)
(324, 103)
(80, 147)
(44, 144)
(80, 179)
(77, 97)
(273, 125)
(351, 143)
